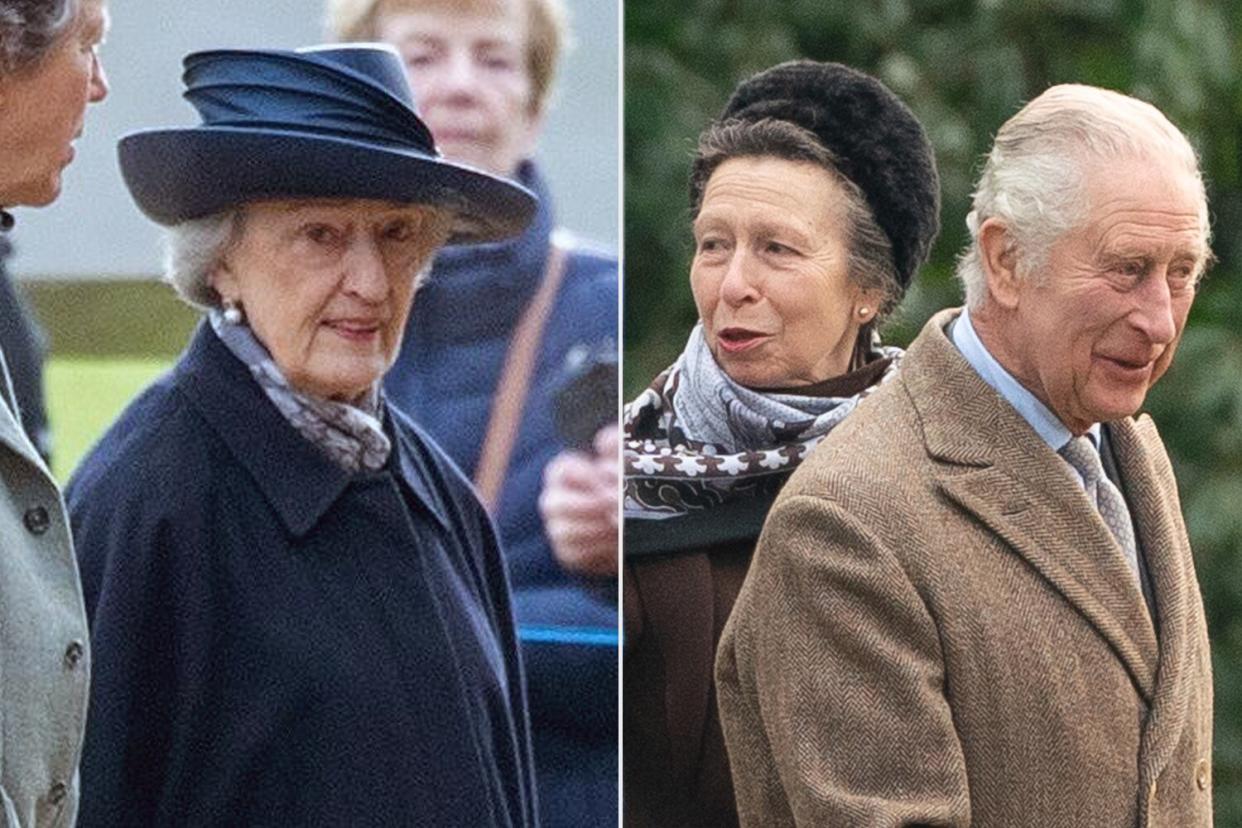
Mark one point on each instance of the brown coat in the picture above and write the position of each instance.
(676, 772)
(938, 629)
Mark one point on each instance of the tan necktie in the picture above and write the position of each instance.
(1080, 453)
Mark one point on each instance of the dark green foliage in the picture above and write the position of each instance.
(99, 317)
(965, 67)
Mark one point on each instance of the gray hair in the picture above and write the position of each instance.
(1035, 176)
(194, 249)
(870, 263)
(29, 29)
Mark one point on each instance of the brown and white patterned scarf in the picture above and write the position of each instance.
(696, 439)
(351, 435)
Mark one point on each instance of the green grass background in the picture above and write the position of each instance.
(84, 397)
(107, 341)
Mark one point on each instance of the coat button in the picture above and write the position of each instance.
(73, 654)
(36, 520)
(1203, 774)
(56, 794)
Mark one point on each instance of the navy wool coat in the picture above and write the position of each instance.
(278, 642)
(445, 377)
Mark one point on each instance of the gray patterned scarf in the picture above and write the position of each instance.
(352, 436)
(696, 439)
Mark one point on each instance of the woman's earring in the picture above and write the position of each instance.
(863, 313)
(232, 312)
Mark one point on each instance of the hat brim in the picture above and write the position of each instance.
(176, 175)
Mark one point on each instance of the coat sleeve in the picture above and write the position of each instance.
(831, 684)
(149, 651)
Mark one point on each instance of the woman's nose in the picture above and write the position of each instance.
(738, 285)
(366, 275)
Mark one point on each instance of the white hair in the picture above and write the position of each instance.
(194, 249)
(1034, 178)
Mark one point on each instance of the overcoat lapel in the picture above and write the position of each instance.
(994, 466)
(1156, 509)
(11, 433)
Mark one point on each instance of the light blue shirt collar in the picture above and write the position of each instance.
(1046, 424)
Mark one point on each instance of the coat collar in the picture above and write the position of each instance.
(991, 463)
(299, 481)
(11, 432)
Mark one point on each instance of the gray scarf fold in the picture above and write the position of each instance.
(696, 439)
(351, 436)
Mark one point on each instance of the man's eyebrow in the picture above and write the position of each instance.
(1126, 255)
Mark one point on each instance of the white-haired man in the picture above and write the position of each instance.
(976, 605)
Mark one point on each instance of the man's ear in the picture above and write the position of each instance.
(998, 258)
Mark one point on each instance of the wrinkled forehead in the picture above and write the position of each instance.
(1153, 186)
(1143, 204)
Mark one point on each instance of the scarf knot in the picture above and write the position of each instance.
(352, 436)
(696, 438)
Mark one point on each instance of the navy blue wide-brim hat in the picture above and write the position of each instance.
(324, 122)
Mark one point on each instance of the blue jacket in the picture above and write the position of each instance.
(278, 642)
(445, 376)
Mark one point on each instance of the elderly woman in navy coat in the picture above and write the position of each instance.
(298, 607)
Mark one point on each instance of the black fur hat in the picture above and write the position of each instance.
(879, 143)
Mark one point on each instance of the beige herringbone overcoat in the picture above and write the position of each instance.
(938, 629)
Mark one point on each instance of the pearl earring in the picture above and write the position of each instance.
(232, 312)
(863, 313)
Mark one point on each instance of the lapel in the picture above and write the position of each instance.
(1154, 503)
(990, 463)
(298, 480)
(11, 432)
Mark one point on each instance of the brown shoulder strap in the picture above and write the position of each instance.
(514, 383)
